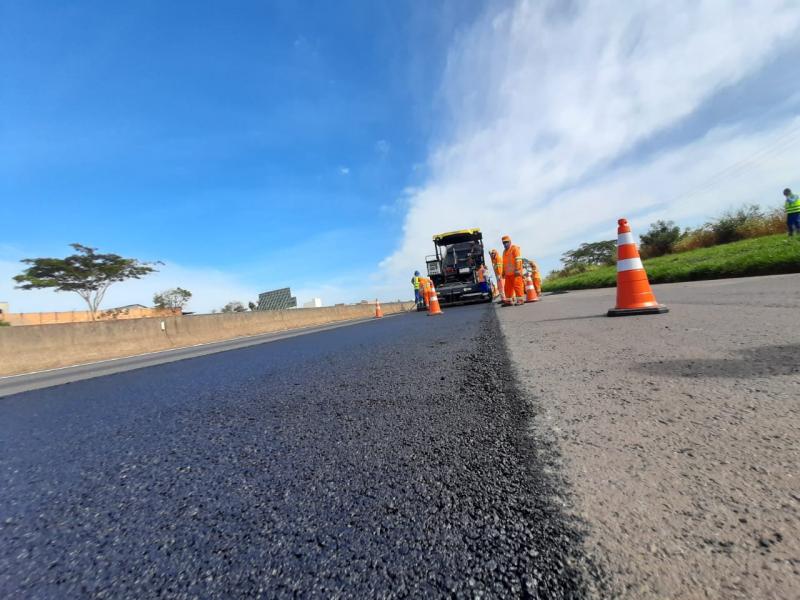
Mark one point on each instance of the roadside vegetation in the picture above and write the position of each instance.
(172, 298)
(740, 243)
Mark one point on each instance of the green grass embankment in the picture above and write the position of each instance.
(770, 255)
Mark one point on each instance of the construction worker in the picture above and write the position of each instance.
(537, 278)
(480, 274)
(792, 207)
(514, 282)
(425, 289)
(415, 282)
(497, 264)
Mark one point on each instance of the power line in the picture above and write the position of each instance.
(778, 146)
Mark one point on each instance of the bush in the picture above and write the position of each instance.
(745, 223)
(764, 255)
(573, 269)
(770, 223)
(660, 239)
(5, 324)
(693, 239)
(732, 225)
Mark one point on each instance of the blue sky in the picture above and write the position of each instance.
(252, 145)
(207, 135)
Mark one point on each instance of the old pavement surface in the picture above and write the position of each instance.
(679, 434)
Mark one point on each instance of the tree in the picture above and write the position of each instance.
(660, 238)
(86, 273)
(591, 254)
(252, 306)
(234, 306)
(174, 298)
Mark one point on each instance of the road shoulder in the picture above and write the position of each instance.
(678, 433)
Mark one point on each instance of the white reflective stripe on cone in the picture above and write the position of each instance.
(625, 238)
(629, 264)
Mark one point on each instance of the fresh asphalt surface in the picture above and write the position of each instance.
(15, 384)
(388, 459)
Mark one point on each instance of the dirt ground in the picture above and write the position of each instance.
(679, 433)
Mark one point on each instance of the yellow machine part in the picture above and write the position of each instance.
(439, 236)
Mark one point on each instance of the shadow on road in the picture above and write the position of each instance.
(765, 361)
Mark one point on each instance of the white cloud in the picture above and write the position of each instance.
(383, 147)
(344, 170)
(543, 99)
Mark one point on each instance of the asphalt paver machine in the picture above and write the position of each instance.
(453, 269)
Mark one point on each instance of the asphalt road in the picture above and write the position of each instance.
(387, 459)
(14, 384)
(679, 434)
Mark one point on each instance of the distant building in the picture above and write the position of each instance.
(276, 300)
(313, 303)
(3, 309)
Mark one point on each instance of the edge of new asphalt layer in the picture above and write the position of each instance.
(545, 464)
(35, 380)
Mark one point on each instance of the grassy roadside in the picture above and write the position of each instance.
(768, 255)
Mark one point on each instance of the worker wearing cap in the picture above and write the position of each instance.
(497, 264)
(792, 207)
(514, 282)
(415, 282)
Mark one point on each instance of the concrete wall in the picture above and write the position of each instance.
(25, 349)
(84, 316)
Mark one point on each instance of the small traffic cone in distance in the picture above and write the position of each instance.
(634, 295)
(378, 311)
(530, 290)
(433, 303)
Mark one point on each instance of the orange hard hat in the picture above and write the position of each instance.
(505, 238)
(492, 251)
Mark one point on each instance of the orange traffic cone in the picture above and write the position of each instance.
(378, 311)
(634, 296)
(530, 290)
(433, 303)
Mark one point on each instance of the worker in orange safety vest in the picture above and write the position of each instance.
(537, 278)
(514, 283)
(497, 263)
(425, 289)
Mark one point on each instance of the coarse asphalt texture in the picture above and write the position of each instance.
(389, 459)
